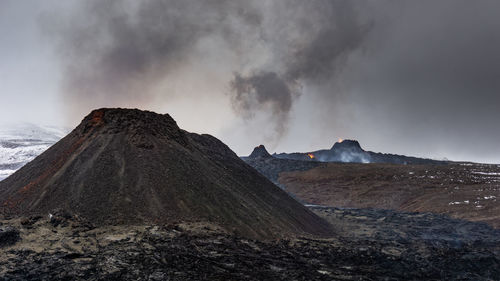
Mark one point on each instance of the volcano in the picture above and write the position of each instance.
(350, 151)
(260, 152)
(352, 145)
(342, 151)
(127, 166)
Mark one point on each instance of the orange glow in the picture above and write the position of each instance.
(97, 118)
(311, 155)
(340, 140)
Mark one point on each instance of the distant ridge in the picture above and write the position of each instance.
(350, 151)
(125, 166)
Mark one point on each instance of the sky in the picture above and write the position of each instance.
(418, 78)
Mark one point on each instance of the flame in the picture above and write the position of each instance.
(340, 140)
(311, 155)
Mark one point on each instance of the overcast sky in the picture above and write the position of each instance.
(410, 77)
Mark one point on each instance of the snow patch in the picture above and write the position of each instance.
(459, 202)
(21, 143)
(5, 173)
(486, 173)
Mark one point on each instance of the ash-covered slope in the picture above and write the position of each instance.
(127, 166)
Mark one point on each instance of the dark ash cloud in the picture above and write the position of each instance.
(118, 52)
(325, 33)
(263, 90)
(340, 33)
(412, 77)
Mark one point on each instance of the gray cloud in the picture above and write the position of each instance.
(413, 77)
(263, 89)
(429, 77)
(339, 33)
(119, 51)
(323, 34)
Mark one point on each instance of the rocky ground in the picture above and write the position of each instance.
(461, 190)
(369, 245)
(271, 167)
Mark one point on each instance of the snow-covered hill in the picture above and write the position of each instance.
(21, 143)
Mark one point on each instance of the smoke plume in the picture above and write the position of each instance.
(401, 76)
(265, 89)
(121, 52)
(326, 32)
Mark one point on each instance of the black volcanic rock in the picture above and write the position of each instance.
(8, 236)
(126, 166)
(260, 151)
